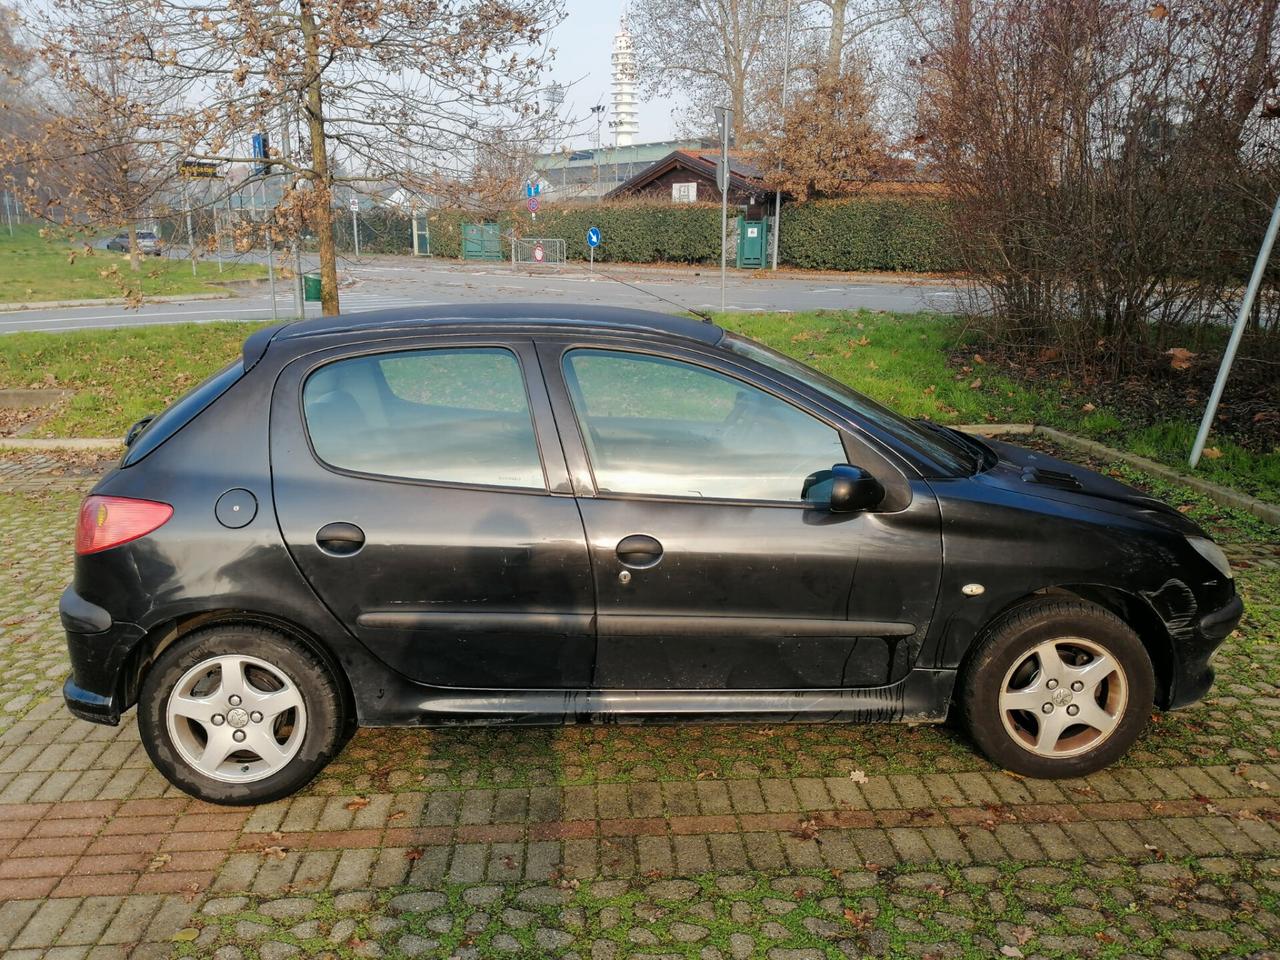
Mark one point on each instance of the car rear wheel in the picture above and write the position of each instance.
(239, 715)
(1057, 688)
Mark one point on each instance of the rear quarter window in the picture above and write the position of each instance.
(182, 411)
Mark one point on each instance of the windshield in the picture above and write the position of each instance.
(941, 445)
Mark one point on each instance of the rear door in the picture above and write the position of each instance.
(421, 490)
(716, 565)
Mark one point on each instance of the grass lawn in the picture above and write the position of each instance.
(34, 269)
(901, 360)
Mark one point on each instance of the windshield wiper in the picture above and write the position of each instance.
(972, 447)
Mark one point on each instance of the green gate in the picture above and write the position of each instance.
(753, 243)
(481, 241)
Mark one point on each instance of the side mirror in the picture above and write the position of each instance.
(853, 489)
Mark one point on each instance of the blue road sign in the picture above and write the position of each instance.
(593, 237)
(532, 188)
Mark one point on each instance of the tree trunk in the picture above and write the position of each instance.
(835, 39)
(320, 176)
(135, 259)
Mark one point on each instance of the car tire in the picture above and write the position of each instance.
(200, 698)
(1025, 712)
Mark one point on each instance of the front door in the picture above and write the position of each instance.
(422, 492)
(716, 566)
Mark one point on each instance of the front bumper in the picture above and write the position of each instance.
(98, 647)
(1194, 652)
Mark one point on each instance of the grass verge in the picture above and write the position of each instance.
(34, 269)
(901, 360)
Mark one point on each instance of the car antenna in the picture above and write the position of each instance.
(700, 314)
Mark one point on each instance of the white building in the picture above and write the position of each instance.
(625, 123)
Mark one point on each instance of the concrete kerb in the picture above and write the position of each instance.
(112, 301)
(1218, 494)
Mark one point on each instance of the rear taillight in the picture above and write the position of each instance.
(110, 521)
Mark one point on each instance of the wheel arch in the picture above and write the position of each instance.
(1132, 610)
(164, 634)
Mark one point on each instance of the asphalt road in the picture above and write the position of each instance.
(400, 282)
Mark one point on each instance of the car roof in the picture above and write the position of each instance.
(449, 317)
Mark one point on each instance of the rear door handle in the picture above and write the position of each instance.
(340, 539)
(639, 551)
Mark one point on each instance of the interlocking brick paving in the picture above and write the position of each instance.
(784, 842)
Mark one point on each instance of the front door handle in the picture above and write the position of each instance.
(340, 539)
(639, 551)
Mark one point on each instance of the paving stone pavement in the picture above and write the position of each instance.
(786, 842)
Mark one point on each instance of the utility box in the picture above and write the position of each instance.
(481, 241)
(753, 243)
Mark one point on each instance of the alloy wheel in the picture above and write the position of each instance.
(1063, 698)
(236, 718)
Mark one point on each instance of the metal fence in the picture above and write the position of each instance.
(538, 251)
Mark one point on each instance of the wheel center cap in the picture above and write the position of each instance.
(238, 717)
(1061, 696)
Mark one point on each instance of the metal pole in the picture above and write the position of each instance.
(1242, 318)
(299, 304)
(271, 268)
(191, 236)
(8, 211)
(786, 71)
(355, 232)
(725, 114)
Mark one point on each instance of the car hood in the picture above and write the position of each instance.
(1034, 474)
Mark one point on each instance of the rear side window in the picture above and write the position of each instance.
(182, 411)
(448, 415)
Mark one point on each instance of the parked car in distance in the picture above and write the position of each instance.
(148, 243)
(521, 513)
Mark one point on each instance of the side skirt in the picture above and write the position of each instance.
(922, 696)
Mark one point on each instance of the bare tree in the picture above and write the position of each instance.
(1110, 161)
(714, 51)
(391, 90)
(89, 147)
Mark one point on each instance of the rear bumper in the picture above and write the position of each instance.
(98, 647)
(1194, 676)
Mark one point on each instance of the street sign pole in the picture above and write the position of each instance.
(191, 234)
(271, 269)
(1242, 318)
(355, 224)
(786, 70)
(299, 305)
(593, 241)
(722, 181)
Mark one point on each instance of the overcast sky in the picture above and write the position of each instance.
(584, 45)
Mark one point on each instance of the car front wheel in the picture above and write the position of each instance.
(1057, 688)
(239, 715)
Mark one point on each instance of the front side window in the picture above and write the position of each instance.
(660, 427)
(451, 415)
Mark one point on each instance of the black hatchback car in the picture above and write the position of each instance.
(541, 514)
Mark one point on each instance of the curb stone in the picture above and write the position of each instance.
(112, 301)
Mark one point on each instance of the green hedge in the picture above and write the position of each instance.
(867, 234)
(892, 234)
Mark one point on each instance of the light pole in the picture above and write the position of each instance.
(786, 72)
(725, 116)
(598, 112)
